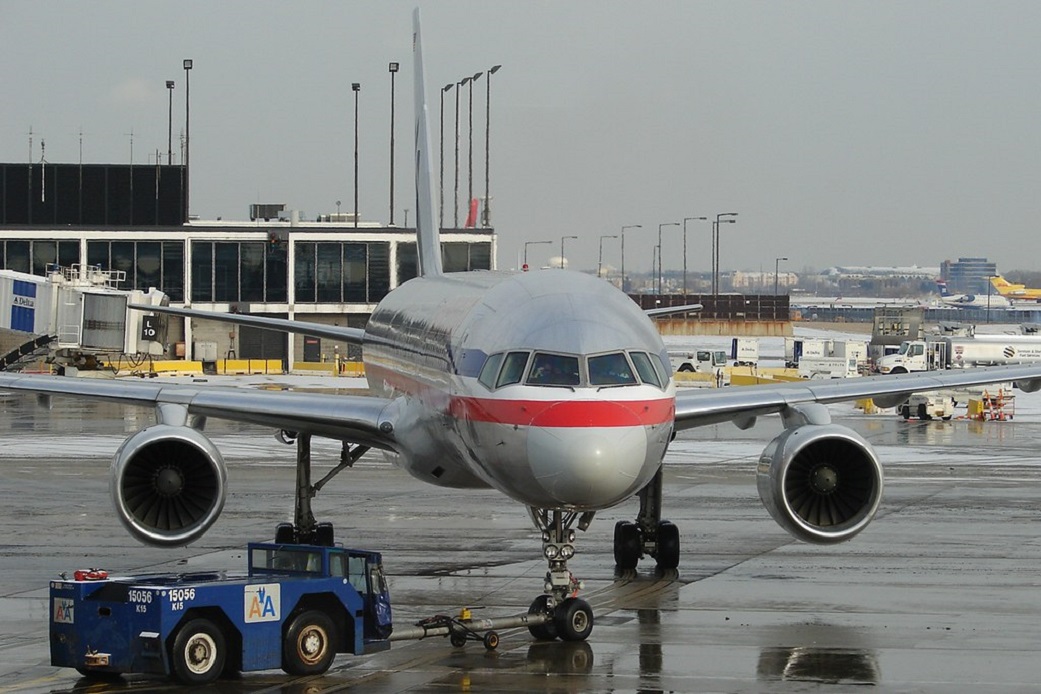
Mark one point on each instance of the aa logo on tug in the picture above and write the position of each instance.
(263, 602)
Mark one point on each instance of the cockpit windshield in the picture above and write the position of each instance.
(610, 370)
(554, 370)
(573, 371)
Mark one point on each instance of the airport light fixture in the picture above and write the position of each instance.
(600, 262)
(628, 226)
(562, 249)
(470, 155)
(455, 200)
(441, 179)
(666, 224)
(187, 137)
(530, 243)
(393, 69)
(169, 125)
(715, 247)
(685, 220)
(486, 215)
(777, 264)
(355, 87)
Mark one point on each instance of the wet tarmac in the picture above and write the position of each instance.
(940, 593)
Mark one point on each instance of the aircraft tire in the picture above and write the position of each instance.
(668, 545)
(573, 619)
(627, 545)
(546, 631)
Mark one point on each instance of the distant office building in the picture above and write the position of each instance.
(968, 275)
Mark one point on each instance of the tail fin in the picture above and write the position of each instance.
(942, 286)
(427, 232)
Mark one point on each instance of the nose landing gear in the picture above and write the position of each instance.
(570, 617)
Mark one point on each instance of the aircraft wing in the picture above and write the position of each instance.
(358, 419)
(669, 310)
(332, 332)
(700, 407)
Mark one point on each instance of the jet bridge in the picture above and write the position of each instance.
(75, 315)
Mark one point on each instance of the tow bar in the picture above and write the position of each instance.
(465, 628)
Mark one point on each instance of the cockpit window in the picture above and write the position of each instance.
(490, 370)
(645, 369)
(512, 369)
(553, 370)
(659, 366)
(610, 370)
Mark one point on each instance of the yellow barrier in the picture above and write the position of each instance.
(176, 367)
(249, 366)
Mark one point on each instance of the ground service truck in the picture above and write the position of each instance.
(296, 609)
(959, 352)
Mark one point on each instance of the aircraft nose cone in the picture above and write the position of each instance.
(588, 467)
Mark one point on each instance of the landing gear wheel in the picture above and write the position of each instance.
(324, 535)
(905, 412)
(573, 619)
(198, 652)
(285, 534)
(627, 545)
(923, 412)
(668, 545)
(457, 639)
(308, 645)
(546, 631)
(491, 640)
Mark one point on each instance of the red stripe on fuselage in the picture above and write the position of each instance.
(565, 413)
(543, 413)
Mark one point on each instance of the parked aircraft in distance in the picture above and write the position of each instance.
(549, 386)
(1017, 292)
(993, 300)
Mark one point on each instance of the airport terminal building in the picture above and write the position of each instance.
(330, 270)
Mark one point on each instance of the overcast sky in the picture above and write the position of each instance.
(843, 133)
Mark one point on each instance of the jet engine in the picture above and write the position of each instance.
(821, 483)
(168, 484)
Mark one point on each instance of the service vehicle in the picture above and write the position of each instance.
(298, 606)
(744, 351)
(959, 352)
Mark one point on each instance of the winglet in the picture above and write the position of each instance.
(427, 232)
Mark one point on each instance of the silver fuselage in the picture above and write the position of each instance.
(580, 446)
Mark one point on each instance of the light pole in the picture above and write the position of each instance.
(441, 181)
(393, 69)
(600, 262)
(455, 200)
(470, 156)
(666, 224)
(715, 247)
(187, 137)
(486, 216)
(356, 87)
(530, 243)
(562, 249)
(777, 263)
(685, 220)
(630, 226)
(989, 286)
(169, 125)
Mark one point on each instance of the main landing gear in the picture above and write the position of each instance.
(569, 617)
(304, 529)
(649, 535)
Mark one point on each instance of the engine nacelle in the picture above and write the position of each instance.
(821, 483)
(168, 484)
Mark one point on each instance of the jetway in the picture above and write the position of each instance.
(79, 313)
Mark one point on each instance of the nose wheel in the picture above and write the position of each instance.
(568, 617)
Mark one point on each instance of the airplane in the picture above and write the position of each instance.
(550, 386)
(995, 301)
(1011, 290)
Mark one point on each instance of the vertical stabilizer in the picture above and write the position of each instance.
(428, 235)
